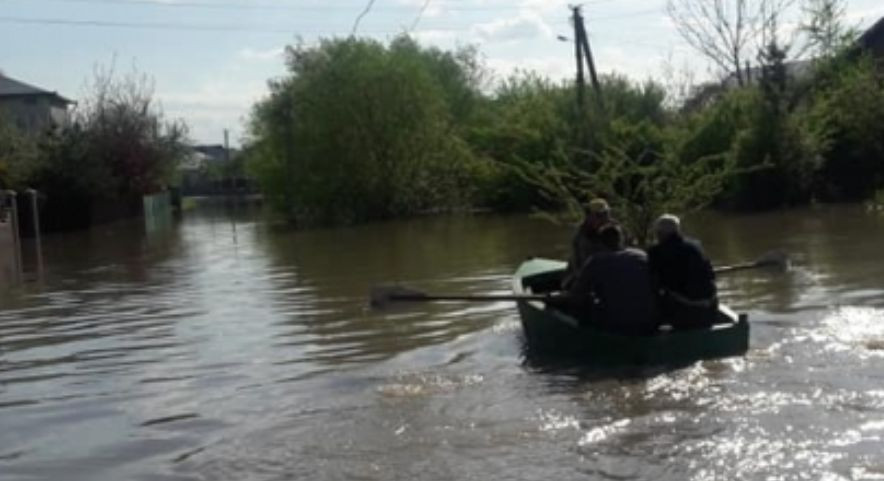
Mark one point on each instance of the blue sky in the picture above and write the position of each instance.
(211, 59)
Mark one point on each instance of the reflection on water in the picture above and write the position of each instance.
(225, 348)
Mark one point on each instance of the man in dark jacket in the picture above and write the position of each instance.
(614, 288)
(684, 277)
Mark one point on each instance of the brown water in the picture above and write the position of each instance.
(225, 349)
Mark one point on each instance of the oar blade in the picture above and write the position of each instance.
(778, 259)
(382, 296)
(774, 259)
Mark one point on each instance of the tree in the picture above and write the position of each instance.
(638, 188)
(359, 130)
(727, 32)
(824, 27)
(116, 148)
(17, 155)
(125, 130)
(848, 112)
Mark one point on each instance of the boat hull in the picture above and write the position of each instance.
(552, 332)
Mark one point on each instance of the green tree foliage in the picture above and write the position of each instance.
(847, 110)
(528, 120)
(779, 157)
(823, 24)
(761, 129)
(638, 189)
(17, 153)
(116, 145)
(359, 131)
(532, 120)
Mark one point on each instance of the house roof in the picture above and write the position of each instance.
(875, 34)
(10, 87)
(215, 152)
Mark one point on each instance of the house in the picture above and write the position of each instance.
(870, 42)
(213, 170)
(31, 109)
(873, 39)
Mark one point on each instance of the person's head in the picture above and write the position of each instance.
(611, 236)
(598, 212)
(666, 226)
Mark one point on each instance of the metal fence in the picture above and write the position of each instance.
(157, 211)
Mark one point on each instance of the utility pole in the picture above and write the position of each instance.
(232, 195)
(577, 20)
(229, 168)
(581, 40)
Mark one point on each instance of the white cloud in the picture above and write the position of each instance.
(256, 55)
(441, 38)
(432, 10)
(526, 25)
(867, 16)
(557, 68)
(214, 106)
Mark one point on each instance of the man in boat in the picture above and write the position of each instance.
(614, 288)
(587, 240)
(684, 277)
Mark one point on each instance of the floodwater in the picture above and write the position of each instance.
(223, 348)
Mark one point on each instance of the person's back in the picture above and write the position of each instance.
(619, 280)
(683, 268)
(684, 275)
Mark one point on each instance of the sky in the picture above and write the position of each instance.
(210, 60)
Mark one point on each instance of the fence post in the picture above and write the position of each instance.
(10, 197)
(37, 239)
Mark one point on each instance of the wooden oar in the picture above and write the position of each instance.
(383, 295)
(777, 259)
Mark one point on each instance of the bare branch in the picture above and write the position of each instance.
(727, 32)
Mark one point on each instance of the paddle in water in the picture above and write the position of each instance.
(383, 295)
(775, 259)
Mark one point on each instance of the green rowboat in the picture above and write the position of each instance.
(551, 332)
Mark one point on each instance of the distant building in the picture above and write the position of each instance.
(31, 109)
(215, 152)
(213, 170)
(873, 39)
(871, 42)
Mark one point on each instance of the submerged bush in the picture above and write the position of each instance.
(359, 131)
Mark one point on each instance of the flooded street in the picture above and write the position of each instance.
(224, 348)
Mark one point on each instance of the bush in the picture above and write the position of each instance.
(848, 110)
(17, 155)
(116, 148)
(526, 121)
(361, 131)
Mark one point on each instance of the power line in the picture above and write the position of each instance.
(177, 26)
(270, 6)
(143, 25)
(420, 15)
(618, 16)
(359, 18)
(254, 28)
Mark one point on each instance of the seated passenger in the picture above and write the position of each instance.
(684, 277)
(586, 241)
(614, 289)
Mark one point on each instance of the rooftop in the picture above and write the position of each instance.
(10, 87)
(874, 34)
